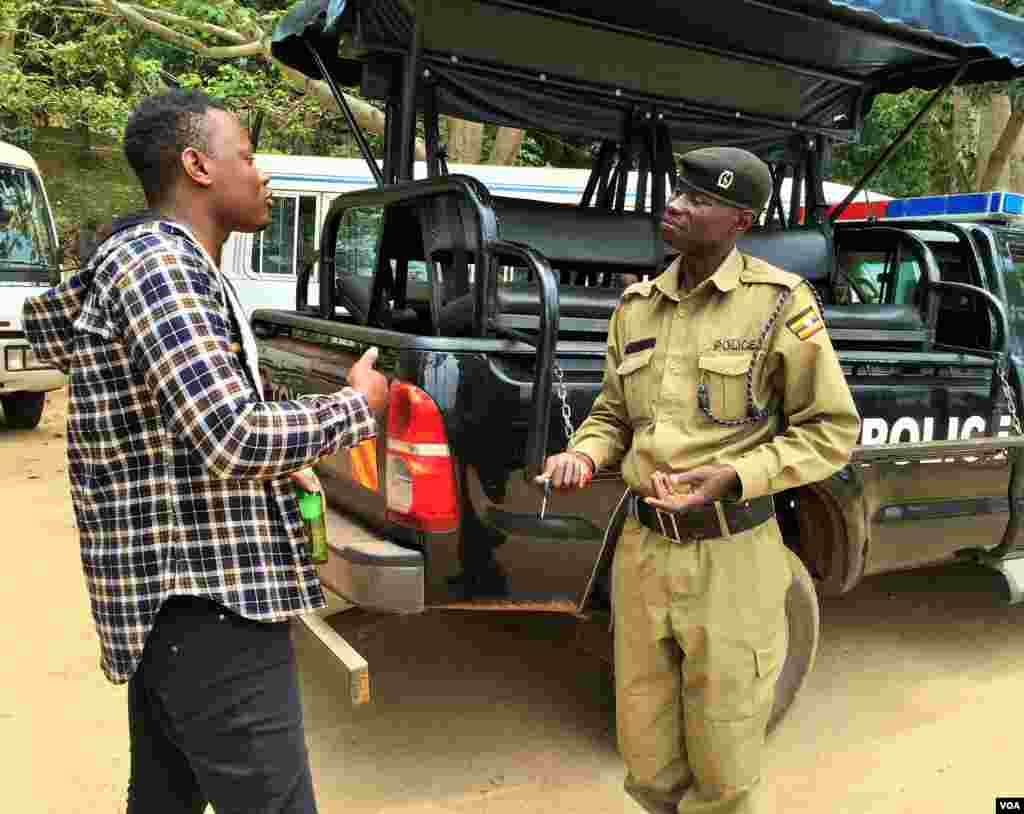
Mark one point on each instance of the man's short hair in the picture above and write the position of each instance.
(158, 130)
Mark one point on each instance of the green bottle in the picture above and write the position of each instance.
(311, 506)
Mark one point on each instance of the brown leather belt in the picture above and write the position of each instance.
(704, 522)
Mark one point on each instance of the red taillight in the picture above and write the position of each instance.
(420, 477)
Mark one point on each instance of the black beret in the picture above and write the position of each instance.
(733, 176)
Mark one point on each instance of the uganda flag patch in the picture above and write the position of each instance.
(805, 324)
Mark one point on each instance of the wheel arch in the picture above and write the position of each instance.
(825, 525)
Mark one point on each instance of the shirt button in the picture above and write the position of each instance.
(221, 616)
(174, 649)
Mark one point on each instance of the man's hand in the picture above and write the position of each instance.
(567, 470)
(679, 491)
(369, 382)
(306, 479)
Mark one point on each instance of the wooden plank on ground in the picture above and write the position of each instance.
(352, 664)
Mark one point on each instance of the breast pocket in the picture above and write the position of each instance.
(724, 378)
(637, 381)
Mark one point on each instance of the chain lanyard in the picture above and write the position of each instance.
(1011, 402)
(563, 396)
(755, 414)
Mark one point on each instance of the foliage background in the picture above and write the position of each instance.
(71, 70)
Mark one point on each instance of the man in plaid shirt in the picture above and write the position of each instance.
(182, 477)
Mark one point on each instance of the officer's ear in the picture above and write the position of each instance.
(744, 220)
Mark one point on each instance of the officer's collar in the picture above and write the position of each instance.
(725, 278)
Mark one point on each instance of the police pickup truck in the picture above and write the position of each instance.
(491, 313)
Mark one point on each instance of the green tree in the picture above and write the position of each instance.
(970, 141)
(907, 173)
(85, 63)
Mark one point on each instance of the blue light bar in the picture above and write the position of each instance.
(962, 206)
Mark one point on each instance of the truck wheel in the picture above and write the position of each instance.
(803, 620)
(23, 410)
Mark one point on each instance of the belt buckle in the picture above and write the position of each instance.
(675, 526)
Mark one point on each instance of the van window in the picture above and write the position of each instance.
(25, 235)
(290, 239)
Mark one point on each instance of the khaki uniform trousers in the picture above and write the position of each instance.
(700, 639)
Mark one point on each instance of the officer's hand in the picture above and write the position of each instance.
(369, 382)
(680, 491)
(567, 470)
(306, 479)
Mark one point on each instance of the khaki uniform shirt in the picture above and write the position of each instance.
(664, 342)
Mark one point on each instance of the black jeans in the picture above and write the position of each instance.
(215, 717)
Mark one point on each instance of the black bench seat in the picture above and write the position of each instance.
(579, 240)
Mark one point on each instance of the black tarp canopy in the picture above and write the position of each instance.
(743, 72)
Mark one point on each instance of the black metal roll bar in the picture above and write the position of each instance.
(475, 194)
(1000, 350)
(489, 246)
(547, 339)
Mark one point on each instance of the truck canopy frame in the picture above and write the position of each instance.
(643, 80)
(760, 75)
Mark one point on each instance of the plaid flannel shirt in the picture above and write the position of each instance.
(178, 470)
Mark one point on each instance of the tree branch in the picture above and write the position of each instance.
(507, 142)
(367, 116)
(206, 28)
(84, 9)
(1002, 151)
(137, 18)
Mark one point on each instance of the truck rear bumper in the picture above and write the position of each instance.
(371, 571)
(1012, 572)
(30, 381)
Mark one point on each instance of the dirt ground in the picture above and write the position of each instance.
(915, 703)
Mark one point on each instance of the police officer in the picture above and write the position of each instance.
(721, 388)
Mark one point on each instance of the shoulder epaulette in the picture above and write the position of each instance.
(758, 271)
(641, 289)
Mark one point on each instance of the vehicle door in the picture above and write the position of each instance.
(923, 507)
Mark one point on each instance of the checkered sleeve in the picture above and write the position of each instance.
(178, 336)
(44, 320)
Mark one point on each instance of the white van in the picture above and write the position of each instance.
(264, 266)
(29, 265)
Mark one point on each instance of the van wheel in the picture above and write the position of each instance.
(23, 410)
(803, 621)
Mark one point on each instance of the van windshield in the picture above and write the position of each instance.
(27, 247)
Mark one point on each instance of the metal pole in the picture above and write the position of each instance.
(896, 144)
(364, 146)
(814, 183)
(659, 173)
(775, 210)
(643, 167)
(389, 141)
(407, 132)
(598, 180)
(796, 191)
(431, 130)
